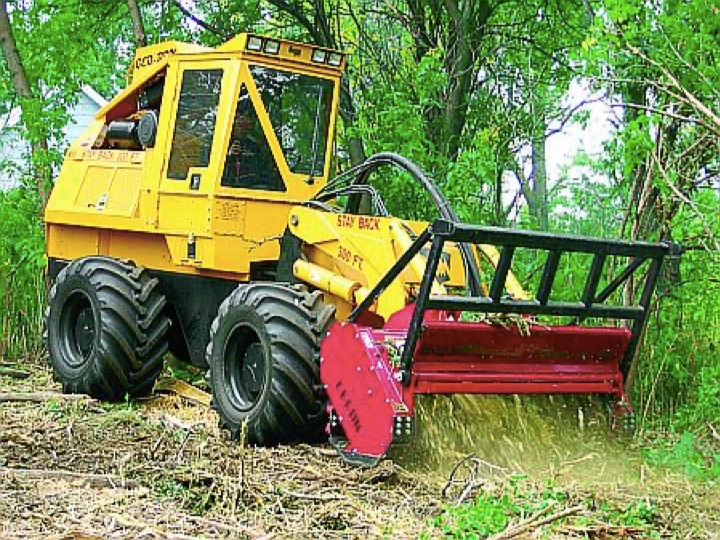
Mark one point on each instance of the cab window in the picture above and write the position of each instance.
(195, 122)
(249, 162)
(299, 107)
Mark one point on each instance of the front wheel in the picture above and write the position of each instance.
(106, 329)
(262, 354)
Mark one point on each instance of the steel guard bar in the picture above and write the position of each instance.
(508, 240)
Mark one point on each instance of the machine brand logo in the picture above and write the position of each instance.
(150, 59)
(348, 406)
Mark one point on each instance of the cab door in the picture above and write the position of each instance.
(193, 155)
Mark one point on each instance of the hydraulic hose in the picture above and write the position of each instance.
(374, 162)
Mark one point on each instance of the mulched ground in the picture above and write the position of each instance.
(162, 469)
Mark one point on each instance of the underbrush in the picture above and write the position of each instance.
(521, 508)
(695, 454)
(22, 283)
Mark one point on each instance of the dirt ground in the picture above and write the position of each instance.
(161, 469)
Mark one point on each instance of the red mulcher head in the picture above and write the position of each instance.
(372, 375)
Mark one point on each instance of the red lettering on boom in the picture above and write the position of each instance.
(344, 220)
(369, 223)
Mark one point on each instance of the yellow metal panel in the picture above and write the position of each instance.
(184, 212)
(92, 219)
(231, 255)
(178, 246)
(228, 216)
(265, 220)
(317, 227)
(150, 250)
(145, 249)
(124, 192)
(66, 242)
(94, 189)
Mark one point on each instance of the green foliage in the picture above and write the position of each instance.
(186, 372)
(191, 494)
(22, 260)
(485, 516)
(688, 455)
(493, 512)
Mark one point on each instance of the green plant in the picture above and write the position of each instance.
(486, 515)
(687, 455)
(184, 371)
(22, 287)
(490, 513)
(637, 514)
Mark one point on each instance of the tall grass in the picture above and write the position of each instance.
(22, 282)
(679, 365)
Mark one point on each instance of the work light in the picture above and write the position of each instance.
(272, 46)
(319, 56)
(254, 43)
(335, 59)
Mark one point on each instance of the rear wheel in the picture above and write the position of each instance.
(262, 354)
(106, 329)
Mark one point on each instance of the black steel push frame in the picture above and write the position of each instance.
(591, 305)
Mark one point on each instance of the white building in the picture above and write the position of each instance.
(14, 150)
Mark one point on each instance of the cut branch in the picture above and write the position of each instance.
(535, 522)
(40, 397)
(90, 479)
(14, 373)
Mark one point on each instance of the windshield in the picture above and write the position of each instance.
(299, 108)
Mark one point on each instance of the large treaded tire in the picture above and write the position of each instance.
(263, 357)
(106, 329)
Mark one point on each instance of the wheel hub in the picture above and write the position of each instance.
(85, 332)
(245, 367)
(78, 332)
(252, 372)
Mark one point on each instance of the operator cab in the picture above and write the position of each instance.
(281, 98)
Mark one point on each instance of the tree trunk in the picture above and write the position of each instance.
(356, 146)
(137, 22)
(468, 21)
(539, 166)
(4, 324)
(22, 88)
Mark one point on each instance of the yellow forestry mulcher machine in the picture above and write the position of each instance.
(195, 214)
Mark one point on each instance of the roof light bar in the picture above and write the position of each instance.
(273, 46)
